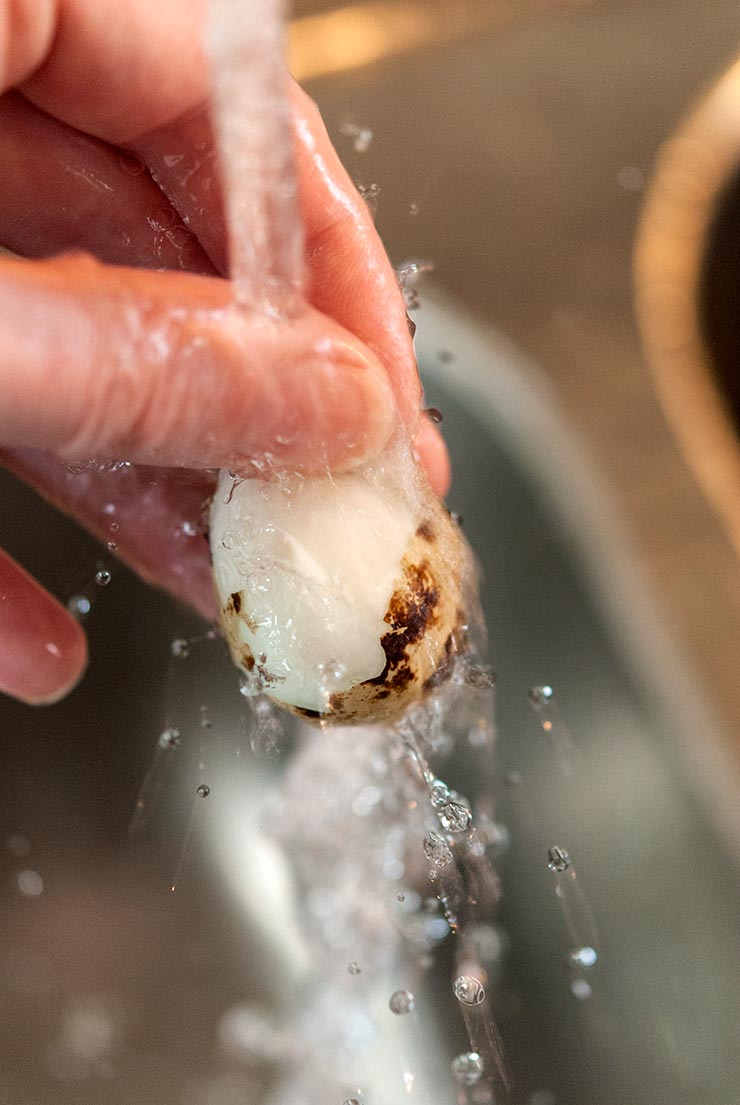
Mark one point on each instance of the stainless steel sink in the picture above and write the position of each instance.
(116, 989)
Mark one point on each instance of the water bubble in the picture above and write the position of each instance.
(203, 790)
(439, 792)
(102, 577)
(585, 956)
(558, 859)
(205, 718)
(407, 276)
(114, 527)
(437, 850)
(540, 696)
(354, 968)
(112, 545)
(401, 1002)
(434, 415)
(30, 884)
(480, 677)
(414, 209)
(169, 738)
(361, 136)
(454, 817)
(331, 670)
(468, 990)
(180, 647)
(79, 606)
(400, 897)
(370, 193)
(467, 1068)
(189, 529)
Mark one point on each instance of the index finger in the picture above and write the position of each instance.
(136, 74)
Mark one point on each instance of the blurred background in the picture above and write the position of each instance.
(512, 146)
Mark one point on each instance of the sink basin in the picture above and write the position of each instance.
(120, 990)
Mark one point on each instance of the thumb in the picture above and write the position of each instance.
(161, 368)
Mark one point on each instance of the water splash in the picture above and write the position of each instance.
(576, 910)
(246, 46)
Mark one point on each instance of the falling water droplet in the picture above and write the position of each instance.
(401, 1002)
(354, 968)
(439, 792)
(468, 990)
(169, 738)
(540, 696)
(584, 957)
(437, 850)
(558, 859)
(203, 790)
(370, 193)
(102, 577)
(79, 606)
(581, 989)
(467, 1068)
(361, 136)
(454, 817)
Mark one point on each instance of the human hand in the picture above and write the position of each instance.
(107, 147)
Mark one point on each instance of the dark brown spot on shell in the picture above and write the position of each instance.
(303, 711)
(236, 602)
(247, 658)
(426, 531)
(411, 611)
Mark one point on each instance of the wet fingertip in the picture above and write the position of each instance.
(430, 451)
(76, 661)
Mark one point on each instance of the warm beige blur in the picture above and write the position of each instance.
(693, 167)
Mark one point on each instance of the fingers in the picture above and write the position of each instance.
(155, 517)
(160, 369)
(43, 651)
(431, 453)
(350, 276)
(113, 70)
(61, 190)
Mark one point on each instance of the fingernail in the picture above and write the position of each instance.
(43, 651)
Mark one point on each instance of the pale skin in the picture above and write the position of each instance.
(126, 344)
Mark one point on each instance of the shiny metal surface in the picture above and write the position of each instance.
(115, 989)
